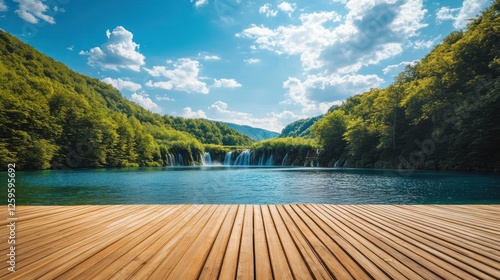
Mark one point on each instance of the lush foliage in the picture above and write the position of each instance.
(298, 151)
(441, 113)
(208, 132)
(300, 128)
(51, 116)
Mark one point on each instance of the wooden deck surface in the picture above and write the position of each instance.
(255, 242)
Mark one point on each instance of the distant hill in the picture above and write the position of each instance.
(256, 134)
(300, 128)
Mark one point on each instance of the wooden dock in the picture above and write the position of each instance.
(255, 242)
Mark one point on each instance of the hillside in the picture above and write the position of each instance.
(51, 116)
(441, 113)
(254, 133)
(300, 128)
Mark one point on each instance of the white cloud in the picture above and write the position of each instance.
(397, 68)
(373, 30)
(200, 3)
(120, 84)
(287, 7)
(460, 16)
(208, 57)
(163, 98)
(70, 48)
(33, 10)
(226, 83)
(3, 7)
(317, 93)
(272, 121)
(190, 114)
(252, 60)
(266, 9)
(184, 76)
(425, 44)
(144, 101)
(120, 51)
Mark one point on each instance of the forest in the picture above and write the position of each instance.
(52, 117)
(440, 113)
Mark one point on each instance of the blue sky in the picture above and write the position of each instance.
(258, 63)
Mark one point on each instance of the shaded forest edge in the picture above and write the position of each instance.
(441, 113)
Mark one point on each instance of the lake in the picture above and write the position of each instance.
(251, 185)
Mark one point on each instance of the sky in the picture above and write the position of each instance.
(258, 63)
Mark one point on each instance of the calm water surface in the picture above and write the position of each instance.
(230, 185)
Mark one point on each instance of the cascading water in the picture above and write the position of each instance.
(207, 159)
(336, 164)
(243, 158)
(227, 158)
(261, 160)
(270, 161)
(284, 159)
(171, 160)
(345, 164)
(180, 161)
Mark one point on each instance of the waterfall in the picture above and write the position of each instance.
(261, 160)
(270, 161)
(171, 160)
(243, 158)
(206, 159)
(284, 159)
(345, 163)
(227, 158)
(180, 161)
(336, 163)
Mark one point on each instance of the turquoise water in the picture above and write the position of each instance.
(251, 185)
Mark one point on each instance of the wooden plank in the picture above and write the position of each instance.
(262, 260)
(165, 260)
(191, 263)
(213, 264)
(320, 247)
(246, 258)
(107, 258)
(314, 265)
(135, 259)
(256, 241)
(279, 263)
(383, 255)
(230, 263)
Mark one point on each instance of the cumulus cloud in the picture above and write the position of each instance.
(287, 7)
(373, 30)
(120, 51)
(190, 114)
(267, 10)
(33, 11)
(120, 84)
(3, 7)
(460, 16)
(317, 93)
(226, 83)
(144, 101)
(182, 75)
(272, 121)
